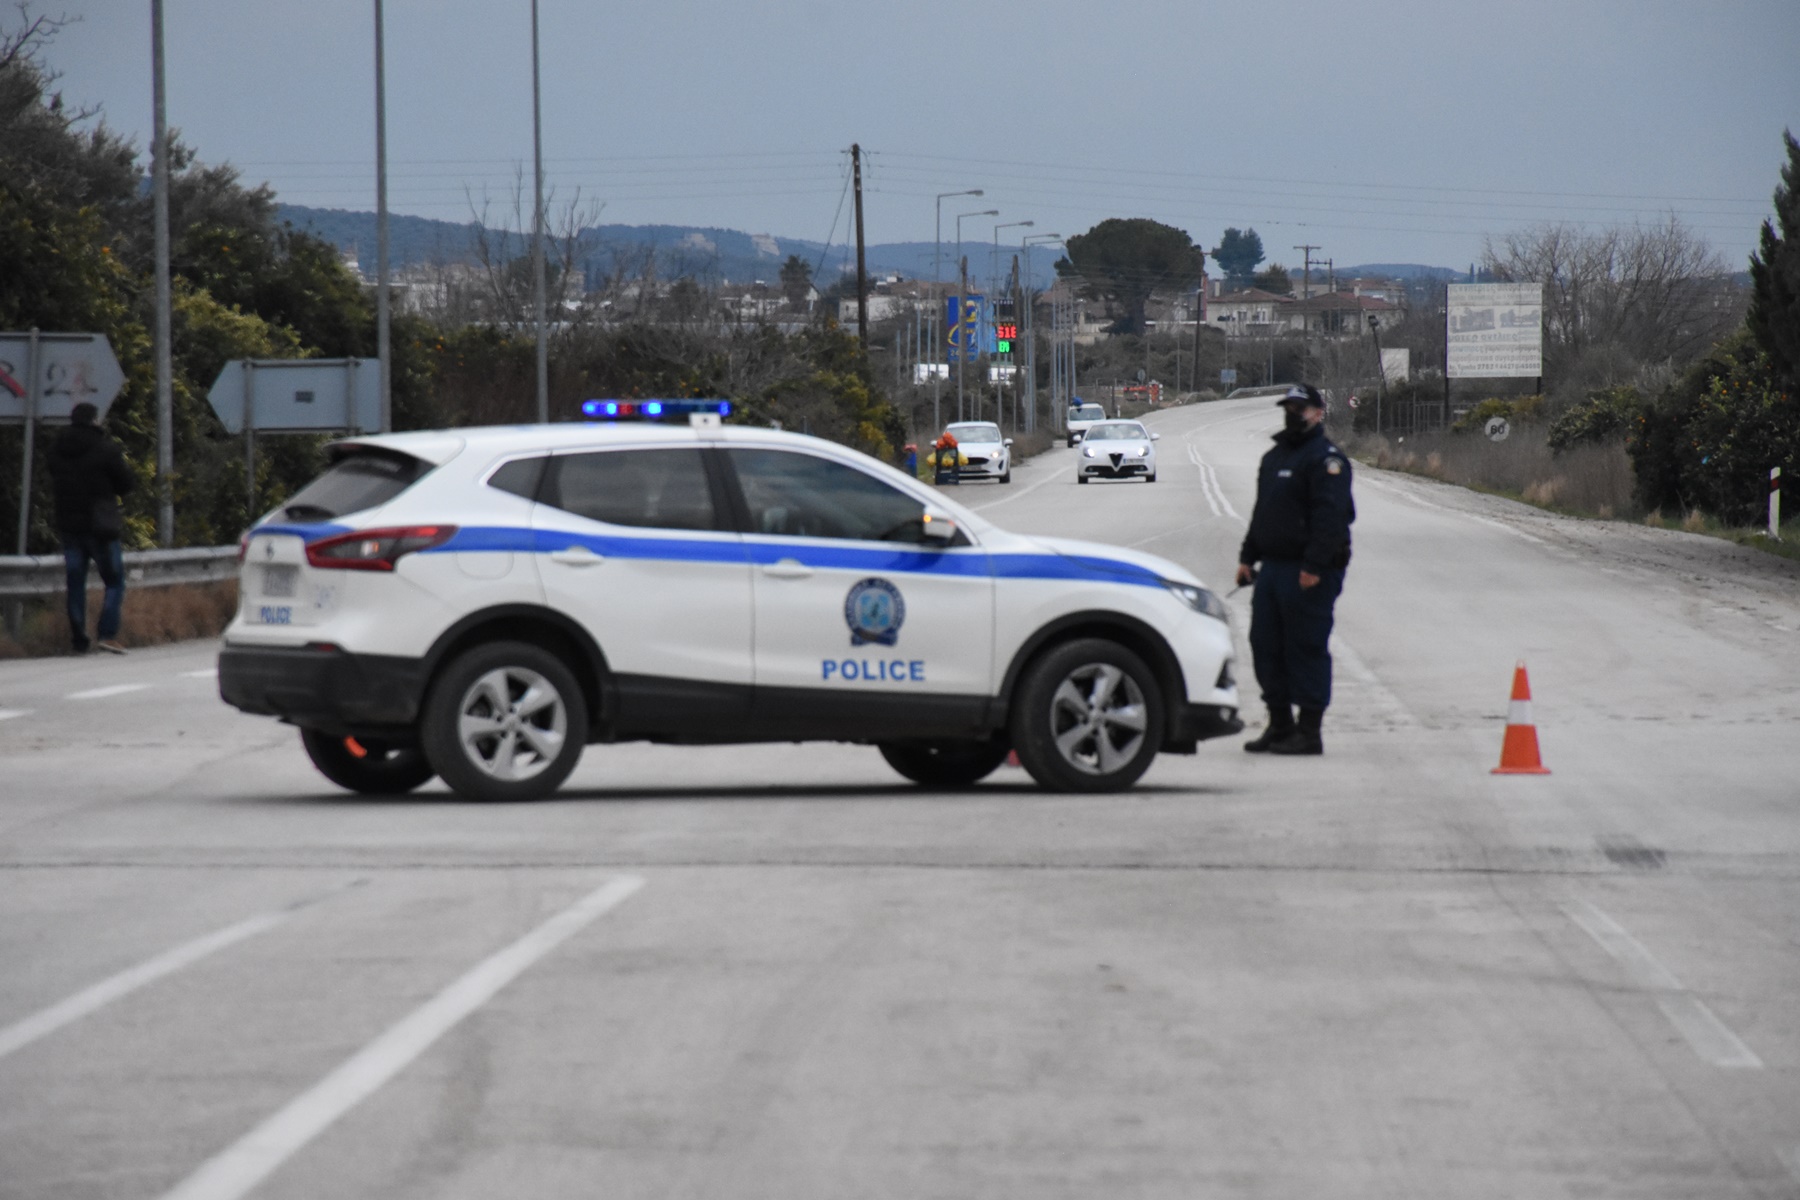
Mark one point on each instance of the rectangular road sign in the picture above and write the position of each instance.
(70, 368)
(1494, 330)
(299, 395)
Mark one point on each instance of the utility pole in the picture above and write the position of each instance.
(862, 274)
(1306, 271)
(537, 230)
(165, 372)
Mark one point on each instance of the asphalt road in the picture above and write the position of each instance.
(781, 972)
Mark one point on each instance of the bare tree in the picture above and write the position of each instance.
(1621, 299)
(502, 250)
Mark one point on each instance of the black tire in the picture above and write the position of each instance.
(1071, 443)
(1081, 479)
(1150, 478)
(1067, 742)
(381, 768)
(946, 764)
(503, 751)
(1007, 478)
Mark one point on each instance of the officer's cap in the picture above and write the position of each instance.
(1306, 394)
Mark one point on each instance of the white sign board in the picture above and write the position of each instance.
(70, 368)
(1396, 365)
(1495, 330)
(298, 395)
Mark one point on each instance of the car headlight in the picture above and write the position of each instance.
(1141, 451)
(1198, 599)
(1091, 452)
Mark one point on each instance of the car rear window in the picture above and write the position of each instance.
(1090, 412)
(362, 478)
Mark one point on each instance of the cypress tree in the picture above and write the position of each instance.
(1774, 317)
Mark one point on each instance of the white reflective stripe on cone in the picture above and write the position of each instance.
(1519, 713)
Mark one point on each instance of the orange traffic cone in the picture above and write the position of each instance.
(1519, 753)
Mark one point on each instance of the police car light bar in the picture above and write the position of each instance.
(651, 410)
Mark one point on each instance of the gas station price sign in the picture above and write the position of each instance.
(1005, 334)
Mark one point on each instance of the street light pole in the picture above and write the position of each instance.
(994, 258)
(165, 386)
(962, 266)
(537, 229)
(1030, 329)
(937, 277)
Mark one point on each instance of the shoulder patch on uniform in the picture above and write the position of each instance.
(1334, 466)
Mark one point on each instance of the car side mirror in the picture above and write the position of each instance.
(1078, 435)
(1006, 442)
(938, 527)
(1156, 437)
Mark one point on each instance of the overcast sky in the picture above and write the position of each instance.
(1381, 131)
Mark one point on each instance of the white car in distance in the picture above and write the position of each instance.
(1083, 417)
(1117, 450)
(985, 453)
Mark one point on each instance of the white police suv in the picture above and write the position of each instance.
(479, 604)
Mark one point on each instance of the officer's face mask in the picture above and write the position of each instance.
(1294, 418)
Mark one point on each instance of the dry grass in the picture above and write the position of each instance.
(1591, 480)
(151, 617)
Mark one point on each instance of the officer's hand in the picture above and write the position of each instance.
(1308, 579)
(1243, 576)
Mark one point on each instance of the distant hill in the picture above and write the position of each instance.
(711, 255)
(1403, 271)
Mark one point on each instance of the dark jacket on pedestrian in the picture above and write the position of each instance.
(89, 474)
(1303, 505)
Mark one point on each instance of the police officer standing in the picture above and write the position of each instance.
(1300, 534)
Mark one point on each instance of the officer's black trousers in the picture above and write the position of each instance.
(1290, 634)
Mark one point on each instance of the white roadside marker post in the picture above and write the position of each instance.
(1775, 503)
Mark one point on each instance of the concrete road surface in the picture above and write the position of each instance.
(782, 972)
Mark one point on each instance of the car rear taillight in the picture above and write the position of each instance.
(375, 549)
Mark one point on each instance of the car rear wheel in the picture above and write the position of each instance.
(1088, 716)
(504, 721)
(946, 764)
(367, 765)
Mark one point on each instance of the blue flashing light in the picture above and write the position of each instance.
(651, 409)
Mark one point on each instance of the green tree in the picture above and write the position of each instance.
(1122, 262)
(1274, 278)
(796, 281)
(1237, 254)
(1774, 317)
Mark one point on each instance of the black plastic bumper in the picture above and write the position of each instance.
(1122, 471)
(1192, 724)
(323, 687)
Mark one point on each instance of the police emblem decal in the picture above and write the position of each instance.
(1334, 466)
(874, 611)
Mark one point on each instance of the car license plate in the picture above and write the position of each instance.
(279, 579)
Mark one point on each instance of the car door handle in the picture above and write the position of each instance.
(577, 556)
(788, 568)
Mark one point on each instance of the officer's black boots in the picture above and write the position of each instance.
(1281, 725)
(1304, 737)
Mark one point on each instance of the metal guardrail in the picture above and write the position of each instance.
(24, 575)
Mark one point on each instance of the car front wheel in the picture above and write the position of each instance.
(946, 764)
(367, 765)
(1088, 716)
(504, 722)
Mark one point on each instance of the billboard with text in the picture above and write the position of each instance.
(1494, 330)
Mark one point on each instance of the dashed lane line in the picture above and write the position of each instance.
(208, 673)
(91, 999)
(7, 714)
(1710, 1038)
(258, 1154)
(100, 693)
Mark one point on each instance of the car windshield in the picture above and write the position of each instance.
(975, 431)
(1088, 412)
(1117, 431)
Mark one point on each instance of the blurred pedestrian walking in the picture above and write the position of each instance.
(89, 474)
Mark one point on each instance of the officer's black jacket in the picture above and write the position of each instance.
(1303, 505)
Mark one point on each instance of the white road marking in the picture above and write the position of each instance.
(7, 714)
(100, 693)
(90, 999)
(1209, 484)
(1394, 489)
(255, 1156)
(1194, 457)
(1709, 1036)
(209, 673)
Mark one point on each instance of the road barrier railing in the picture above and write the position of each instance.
(25, 575)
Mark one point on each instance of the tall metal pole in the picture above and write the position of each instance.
(862, 271)
(962, 347)
(937, 277)
(537, 229)
(383, 316)
(165, 369)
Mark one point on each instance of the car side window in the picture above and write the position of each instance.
(660, 489)
(521, 477)
(799, 495)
